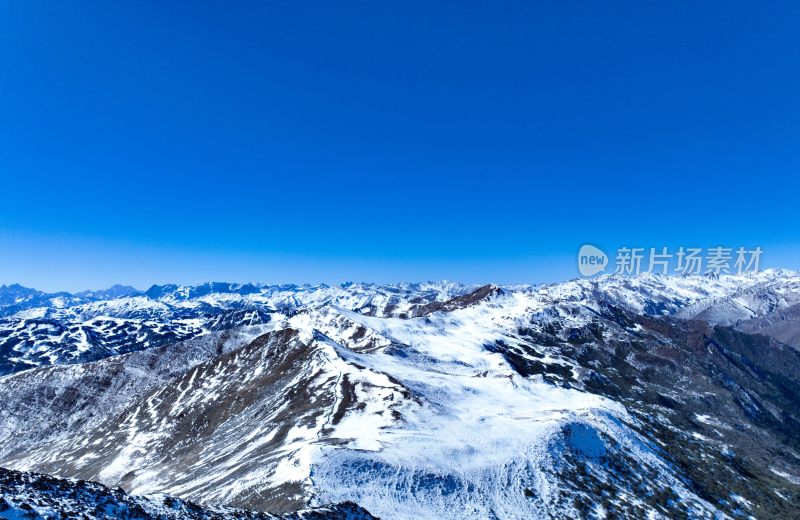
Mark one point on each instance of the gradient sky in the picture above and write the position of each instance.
(272, 141)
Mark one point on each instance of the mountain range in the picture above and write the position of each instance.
(615, 397)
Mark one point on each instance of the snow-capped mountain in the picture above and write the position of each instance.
(41, 329)
(48, 329)
(645, 397)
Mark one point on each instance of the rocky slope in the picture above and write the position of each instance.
(33, 496)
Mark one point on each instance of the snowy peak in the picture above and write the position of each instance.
(177, 293)
(115, 291)
(42, 329)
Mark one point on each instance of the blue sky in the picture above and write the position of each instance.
(306, 141)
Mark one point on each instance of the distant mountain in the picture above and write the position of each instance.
(14, 298)
(43, 329)
(15, 293)
(115, 291)
(47, 329)
(191, 292)
(645, 397)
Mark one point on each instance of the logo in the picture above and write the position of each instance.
(591, 260)
(631, 261)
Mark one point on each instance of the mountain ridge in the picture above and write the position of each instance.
(633, 397)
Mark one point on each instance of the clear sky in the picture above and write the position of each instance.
(292, 141)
